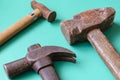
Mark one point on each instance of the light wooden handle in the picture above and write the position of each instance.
(11, 31)
(106, 51)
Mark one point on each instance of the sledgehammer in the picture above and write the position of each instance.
(89, 25)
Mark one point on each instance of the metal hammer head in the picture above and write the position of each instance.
(54, 52)
(45, 12)
(77, 28)
(39, 58)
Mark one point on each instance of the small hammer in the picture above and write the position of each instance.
(41, 60)
(39, 11)
(88, 25)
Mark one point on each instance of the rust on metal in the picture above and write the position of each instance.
(41, 60)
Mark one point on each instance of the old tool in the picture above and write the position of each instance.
(88, 25)
(41, 60)
(39, 11)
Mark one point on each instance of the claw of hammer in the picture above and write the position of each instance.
(41, 60)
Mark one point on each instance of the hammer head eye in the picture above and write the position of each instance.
(77, 28)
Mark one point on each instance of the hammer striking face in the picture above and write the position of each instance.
(88, 25)
(41, 60)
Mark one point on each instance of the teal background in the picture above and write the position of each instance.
(89, 65)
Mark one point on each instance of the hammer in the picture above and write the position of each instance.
(88, 25)
(41, 60)
(39, 11)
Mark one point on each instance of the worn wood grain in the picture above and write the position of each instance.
(106, 51)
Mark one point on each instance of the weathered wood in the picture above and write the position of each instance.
(105, 50)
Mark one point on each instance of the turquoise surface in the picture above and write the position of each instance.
(89, 65)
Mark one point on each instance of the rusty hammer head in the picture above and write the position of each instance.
(40, 59)
(45, 12)
(77, 28)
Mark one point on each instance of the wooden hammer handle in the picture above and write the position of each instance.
(106, 51)
(11, 31)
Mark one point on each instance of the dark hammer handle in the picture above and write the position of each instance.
(106, 51)
(17, 67)
(48, 73)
